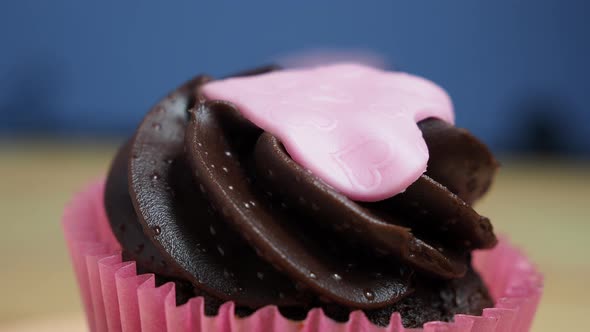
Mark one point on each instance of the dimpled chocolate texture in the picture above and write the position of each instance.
(202, 195)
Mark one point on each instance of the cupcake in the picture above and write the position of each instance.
(333, 198)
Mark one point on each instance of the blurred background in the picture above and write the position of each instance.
(77, 76)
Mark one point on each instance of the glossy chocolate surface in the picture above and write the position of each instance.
(200, 194)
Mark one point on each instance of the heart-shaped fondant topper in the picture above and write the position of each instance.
(353, 126)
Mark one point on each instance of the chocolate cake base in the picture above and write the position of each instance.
(433, 300)
(438, 301)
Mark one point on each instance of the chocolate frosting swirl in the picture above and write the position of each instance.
(201, 194)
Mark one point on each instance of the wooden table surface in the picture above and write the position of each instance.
(541, 204)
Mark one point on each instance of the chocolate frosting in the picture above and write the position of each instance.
(201, 194)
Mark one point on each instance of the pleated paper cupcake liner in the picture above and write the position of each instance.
(116, 298)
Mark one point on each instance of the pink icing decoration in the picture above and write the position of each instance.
(353, 126)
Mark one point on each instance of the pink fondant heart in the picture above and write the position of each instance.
(363, 162)
(351, 125)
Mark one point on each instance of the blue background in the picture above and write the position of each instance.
(516, 70)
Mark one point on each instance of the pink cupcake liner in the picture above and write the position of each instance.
(115, 298)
